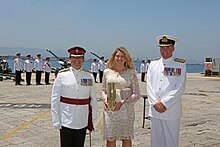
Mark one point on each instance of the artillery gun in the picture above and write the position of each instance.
(5, 70)
(63, 62)
(97, 56)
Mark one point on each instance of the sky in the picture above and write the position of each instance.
(103, 25)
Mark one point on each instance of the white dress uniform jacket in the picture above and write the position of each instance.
(142, 68)
(166, 81)
(94, 67)
(28, 66)
(101, 65)
(38, 65)
(47, 67)
(147, 66)
(18, 64)
(75, 84)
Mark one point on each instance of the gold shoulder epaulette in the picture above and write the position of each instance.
(86, 70)
(64, 70)
(156, 59)
(179, 60)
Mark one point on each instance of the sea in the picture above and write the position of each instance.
(191, 68)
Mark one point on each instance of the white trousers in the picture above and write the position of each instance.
(165, 133)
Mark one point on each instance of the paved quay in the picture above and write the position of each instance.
(26, 119)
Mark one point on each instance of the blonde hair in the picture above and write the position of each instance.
(128, 63)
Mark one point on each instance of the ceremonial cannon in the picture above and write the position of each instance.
(98, 56)
(5, 70)
(63, 62)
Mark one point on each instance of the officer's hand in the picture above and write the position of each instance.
(159, 107)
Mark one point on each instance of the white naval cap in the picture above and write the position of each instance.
(166, 40)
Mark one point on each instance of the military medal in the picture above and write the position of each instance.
(86, 82)
(168, 71)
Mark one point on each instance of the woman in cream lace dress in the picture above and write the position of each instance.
(119, 122)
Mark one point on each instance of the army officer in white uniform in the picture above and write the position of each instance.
(73, 101)
(166, 78)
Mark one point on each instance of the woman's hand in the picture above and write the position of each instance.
(105, 104)
(117, 106)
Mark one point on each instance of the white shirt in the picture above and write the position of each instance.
(101, 65)
(28, 65)
(142, 68)
(106, 65)
(76, 84)
(47, 67)
(38, 65)
(18, 64)
(94, 67)
(166, 81)
(147, 66)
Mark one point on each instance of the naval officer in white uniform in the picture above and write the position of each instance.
(166, 79)
(73, 101)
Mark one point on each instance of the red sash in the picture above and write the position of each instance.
(81, 102)
(48, 64)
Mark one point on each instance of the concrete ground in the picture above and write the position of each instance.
(26, 119)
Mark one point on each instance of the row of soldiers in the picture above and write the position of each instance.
(38, 66)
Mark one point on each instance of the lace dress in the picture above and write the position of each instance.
(120, 124)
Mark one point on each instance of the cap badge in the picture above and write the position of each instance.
(164, 39)
(77, 51)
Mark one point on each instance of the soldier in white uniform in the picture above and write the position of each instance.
(38, 67)
(143, 70)
(73, 101)
(94, 69)
(101, 67)
(28, 67)
(47, 70)
(147, 65)
(166, 79)
(18, 68)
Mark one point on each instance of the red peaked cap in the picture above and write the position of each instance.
(76, 51)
